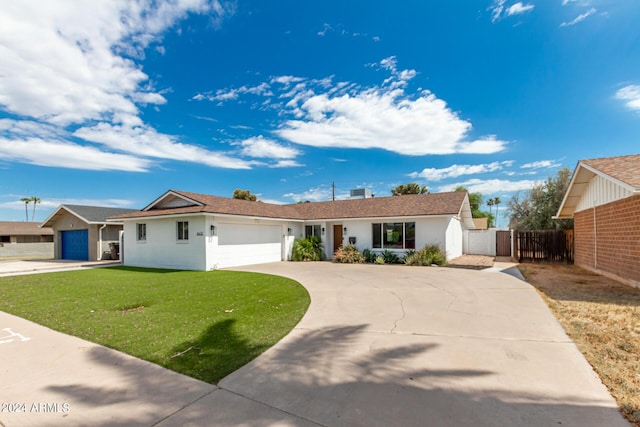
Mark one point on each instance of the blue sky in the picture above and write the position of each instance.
(114, 102)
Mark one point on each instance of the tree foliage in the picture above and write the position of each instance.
(410, 188)
(475, 201)
(534, 210)
(244, 195)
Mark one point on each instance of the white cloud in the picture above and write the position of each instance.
(321, 113)
(266, 148)
(143, 140)
(518, 8)
(376, 118)
(52, 203)
(541, 164)
(454, 171)
(285, 164)
(579, 18)
(631, 95)
(72, 65)
(498, 9)
(490, 186)
(64, 154)
(317, 194)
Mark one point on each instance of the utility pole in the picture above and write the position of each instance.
(333, 191)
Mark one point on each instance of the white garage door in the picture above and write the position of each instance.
(243, 244)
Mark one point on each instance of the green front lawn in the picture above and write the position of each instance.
(201, 324)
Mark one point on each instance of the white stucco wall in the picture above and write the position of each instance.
(454, 238)
(480, 242)
(434, 230)
(162, 249)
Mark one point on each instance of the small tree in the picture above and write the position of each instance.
(410, 188)
(26, 201)
(244, 195)
(535, 210)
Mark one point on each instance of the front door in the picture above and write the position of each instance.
(337, 237)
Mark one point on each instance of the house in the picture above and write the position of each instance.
(201, 232)
(83, 233)
(603, 198)
(25, 239)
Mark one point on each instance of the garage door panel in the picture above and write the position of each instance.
(248, 244)
(75, 244)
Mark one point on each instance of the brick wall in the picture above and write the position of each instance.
(618, 239)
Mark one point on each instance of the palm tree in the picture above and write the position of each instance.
(26, 201)
(35, 201)
(490, 204)
(496, 202)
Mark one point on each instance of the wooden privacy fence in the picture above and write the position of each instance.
(549, 246)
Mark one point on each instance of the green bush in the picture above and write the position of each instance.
(379, 260)
(390, 257)
(369, 256)
(429, 255)
(348, 255)
(408, 254)
(309, 249)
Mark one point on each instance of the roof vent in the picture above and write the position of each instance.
(362, 193)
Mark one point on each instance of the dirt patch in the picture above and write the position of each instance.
(602, 317)
(476, 262)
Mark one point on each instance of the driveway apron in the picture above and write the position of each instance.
(411, 346)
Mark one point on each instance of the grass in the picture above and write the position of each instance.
(602, 317)
(201, 324)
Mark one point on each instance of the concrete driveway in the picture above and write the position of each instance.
(379, 346)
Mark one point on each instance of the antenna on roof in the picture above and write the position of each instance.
(333, 191)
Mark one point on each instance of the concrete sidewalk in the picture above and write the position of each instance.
(20, 267)
(379, 346)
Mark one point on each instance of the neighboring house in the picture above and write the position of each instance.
(83, 233)
(25, 239)
(202, 232)
(603, 198)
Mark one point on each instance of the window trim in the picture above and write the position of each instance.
(182, 231)
(141, 237)
(378, 235)
(314, 228)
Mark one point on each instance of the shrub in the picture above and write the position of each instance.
(379, 260)
(408, 254)
(429, 255)
(390, 257)
(309, 249)
(348, 255)
(369, 256)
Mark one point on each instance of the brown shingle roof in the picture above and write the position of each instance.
(623, 168)
(19, 228)
(394, 206)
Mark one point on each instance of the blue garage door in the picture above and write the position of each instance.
(75, 245)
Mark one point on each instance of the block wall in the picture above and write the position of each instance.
(608, 240)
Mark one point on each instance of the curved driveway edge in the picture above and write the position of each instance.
(411, 346)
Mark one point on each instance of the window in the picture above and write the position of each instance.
(312, 230)
(183, 230)
(141, 232)
(5, 239)
(394, 235)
